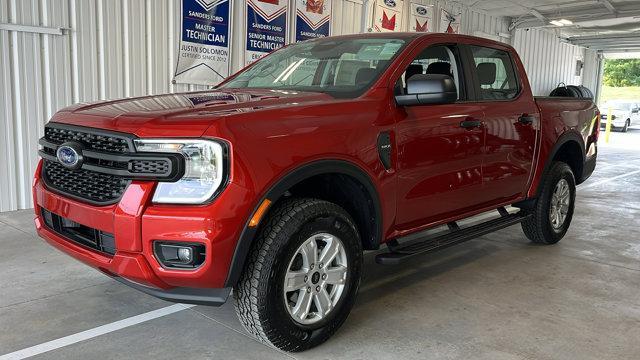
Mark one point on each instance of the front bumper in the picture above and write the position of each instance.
(136, 223)
(198, 296)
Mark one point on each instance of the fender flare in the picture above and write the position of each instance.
(276, 191)
(566, 137)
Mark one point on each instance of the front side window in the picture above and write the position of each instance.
(339, 67)
(439, 59)
(495, 73)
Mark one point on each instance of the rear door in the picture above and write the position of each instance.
(511, 121)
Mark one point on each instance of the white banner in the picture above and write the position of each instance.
(204, 55)
(449, 23)
(421, 18)
(388, 15)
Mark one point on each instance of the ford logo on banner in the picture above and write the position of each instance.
(390, 3)
(421, 10)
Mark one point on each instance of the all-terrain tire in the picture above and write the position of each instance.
(538, 227)
(259, 300)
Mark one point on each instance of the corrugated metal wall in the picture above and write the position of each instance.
(116, 48)
(121, 48)
(548, 60)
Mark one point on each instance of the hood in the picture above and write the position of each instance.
(185, 114)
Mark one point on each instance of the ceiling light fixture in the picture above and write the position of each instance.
(561, 22)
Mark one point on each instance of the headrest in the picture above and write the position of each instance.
(486, 73)
(364, 75)
(413, 69)
(439, 68)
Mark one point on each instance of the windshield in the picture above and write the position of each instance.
(340, 67)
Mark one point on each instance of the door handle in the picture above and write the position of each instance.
(470, 124)
(526, 119)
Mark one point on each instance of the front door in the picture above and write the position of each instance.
(440, 147)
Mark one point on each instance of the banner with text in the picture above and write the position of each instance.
(421, 18)
(449, 23)
(266, 27)
(313, 19)
(388, 15)
(203, 56)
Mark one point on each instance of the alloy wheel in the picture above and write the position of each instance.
(560, 201)
(315, 278)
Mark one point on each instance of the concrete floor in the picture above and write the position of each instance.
(497, 297)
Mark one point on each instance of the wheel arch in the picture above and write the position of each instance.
(570, 149)
(300, 175)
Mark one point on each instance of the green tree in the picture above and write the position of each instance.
(622, 72)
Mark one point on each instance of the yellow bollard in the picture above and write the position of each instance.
(607, 131)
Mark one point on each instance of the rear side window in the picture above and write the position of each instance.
(496, 73)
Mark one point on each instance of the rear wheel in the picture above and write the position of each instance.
(553, 210)
(302, 275)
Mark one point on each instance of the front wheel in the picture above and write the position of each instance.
(553, 210)
(302, 275)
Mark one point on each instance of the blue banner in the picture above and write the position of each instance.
(266, 27)
(203, 56)
(313, 19)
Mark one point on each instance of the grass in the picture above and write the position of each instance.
(619, 93)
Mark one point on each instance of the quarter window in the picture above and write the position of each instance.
(496, 74)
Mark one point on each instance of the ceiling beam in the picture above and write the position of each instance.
(540, 17)
(582, 14)
(605, 37)
(615, 47)
(613, 51)
(613, 43)
(620, 40)
(606, 42)
(570, 4)
(609, 6)
(631, 43)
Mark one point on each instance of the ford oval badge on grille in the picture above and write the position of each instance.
(69, 155)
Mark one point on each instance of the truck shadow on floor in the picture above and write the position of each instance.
(381, 280)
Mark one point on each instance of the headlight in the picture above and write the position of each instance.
(203, 173)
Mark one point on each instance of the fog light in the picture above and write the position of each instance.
(179, 255)
(185, 255)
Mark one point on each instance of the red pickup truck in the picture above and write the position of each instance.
(271, 185)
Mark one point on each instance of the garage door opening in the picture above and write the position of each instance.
(621, 78)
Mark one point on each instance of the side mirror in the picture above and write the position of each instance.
(428, 89)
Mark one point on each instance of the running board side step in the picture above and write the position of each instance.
(455, 235)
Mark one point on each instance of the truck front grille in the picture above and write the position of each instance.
(108, 163)
(91, 141)
(83, 184)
